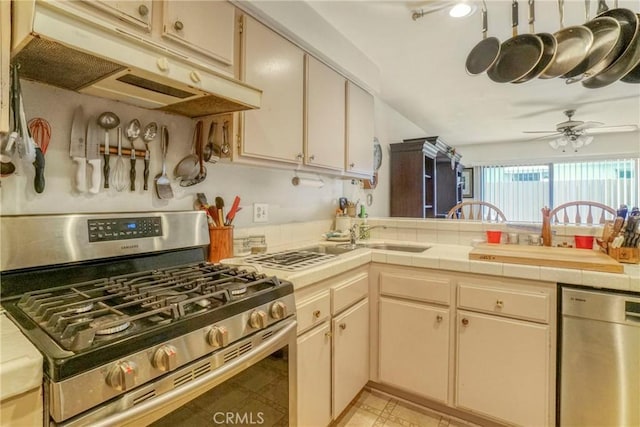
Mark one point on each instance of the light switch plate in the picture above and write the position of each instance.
(260, 212)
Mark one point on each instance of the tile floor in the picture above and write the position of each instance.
(373, 409)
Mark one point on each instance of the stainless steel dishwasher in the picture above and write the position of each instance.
(599, 383)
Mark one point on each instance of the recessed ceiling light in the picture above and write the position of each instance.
(460, 10)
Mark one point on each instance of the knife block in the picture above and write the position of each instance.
(625, 255)
(221, 243)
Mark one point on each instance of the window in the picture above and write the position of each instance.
(521, 191)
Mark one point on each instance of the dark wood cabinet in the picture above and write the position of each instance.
(423, 183)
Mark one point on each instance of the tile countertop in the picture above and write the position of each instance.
(456, 258)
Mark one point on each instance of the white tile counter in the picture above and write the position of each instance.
(456, 258)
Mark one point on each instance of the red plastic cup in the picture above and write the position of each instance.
(493, 236)
(584, 242)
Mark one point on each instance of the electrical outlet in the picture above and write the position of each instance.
(260, 212)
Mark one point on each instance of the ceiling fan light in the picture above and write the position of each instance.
(587, 140)
(461, 10)
(554, 144)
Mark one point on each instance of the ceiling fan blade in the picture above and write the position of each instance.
(587, 125)
(612, 129)
(554, 135)
(539, 131)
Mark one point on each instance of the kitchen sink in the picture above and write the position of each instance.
(397, 247)
(344, 248)
(332, 249)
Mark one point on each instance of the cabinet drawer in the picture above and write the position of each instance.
(348, 292)
(313, 311)
(509, 302)
(416, 288)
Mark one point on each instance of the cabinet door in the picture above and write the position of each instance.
(503, 368)
(414, 348)
(350, 355)
(136, 12)
(276, 66)
(314, 377)
(206, 27)
(360, 124)
(325, 116)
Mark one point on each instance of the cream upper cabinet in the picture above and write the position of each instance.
(360, 130)
(324, 116)
(350, 354)
(503, 368)
(136, 12)
(205, 27)
(275, 65)
(314, 377)
(414, 347)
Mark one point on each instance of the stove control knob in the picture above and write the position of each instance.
(278, 310)
(218, 336)
(258, 319)
(122, 376)
(165, 358)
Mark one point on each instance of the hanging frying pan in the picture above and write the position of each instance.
(549, 45)
(518, 56)
(485, 53)
(573, 46)
(633, 76)
(630, 56)
(608, 44)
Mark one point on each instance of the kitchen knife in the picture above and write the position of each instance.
(78, 149)
(93, 156)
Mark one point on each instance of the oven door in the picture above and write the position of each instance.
(256, 386)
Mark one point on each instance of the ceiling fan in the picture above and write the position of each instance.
(577, 133)
(575, 128)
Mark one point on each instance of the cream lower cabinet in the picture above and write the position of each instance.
(333, 346)
(314, 377)
(350, 355)
(414, 335)
(502, 368)
(504, 357)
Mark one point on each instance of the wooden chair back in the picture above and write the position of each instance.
(581, 212)
(477, 210)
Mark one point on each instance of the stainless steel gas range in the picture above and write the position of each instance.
(136, 327)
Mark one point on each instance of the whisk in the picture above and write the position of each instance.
(119, 177)
(41, 132)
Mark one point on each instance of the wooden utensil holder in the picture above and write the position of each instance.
(221, 243)
(625, 255)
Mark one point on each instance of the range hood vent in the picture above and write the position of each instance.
(69, 53)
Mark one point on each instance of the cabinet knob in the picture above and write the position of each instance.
(352, 165)
(439, 318)
(465, 321)
(143, 10)
(195, 76)
(299, 156)
(316, 314)
(328, 334)
(499, 303)
(178, 25)
(312, 158)
(162, 63)
(343, 326)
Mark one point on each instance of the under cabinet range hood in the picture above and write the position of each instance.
(56, 44)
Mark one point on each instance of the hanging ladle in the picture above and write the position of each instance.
(107, 121)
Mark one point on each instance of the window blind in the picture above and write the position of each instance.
(522, 190)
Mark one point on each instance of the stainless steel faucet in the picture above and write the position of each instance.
(358, 231)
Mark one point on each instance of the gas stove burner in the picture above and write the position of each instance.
(83, 308)
(238, 291)
(108, 330)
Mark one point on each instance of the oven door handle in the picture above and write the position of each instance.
(210, 380)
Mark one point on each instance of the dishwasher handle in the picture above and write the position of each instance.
(632, 311)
